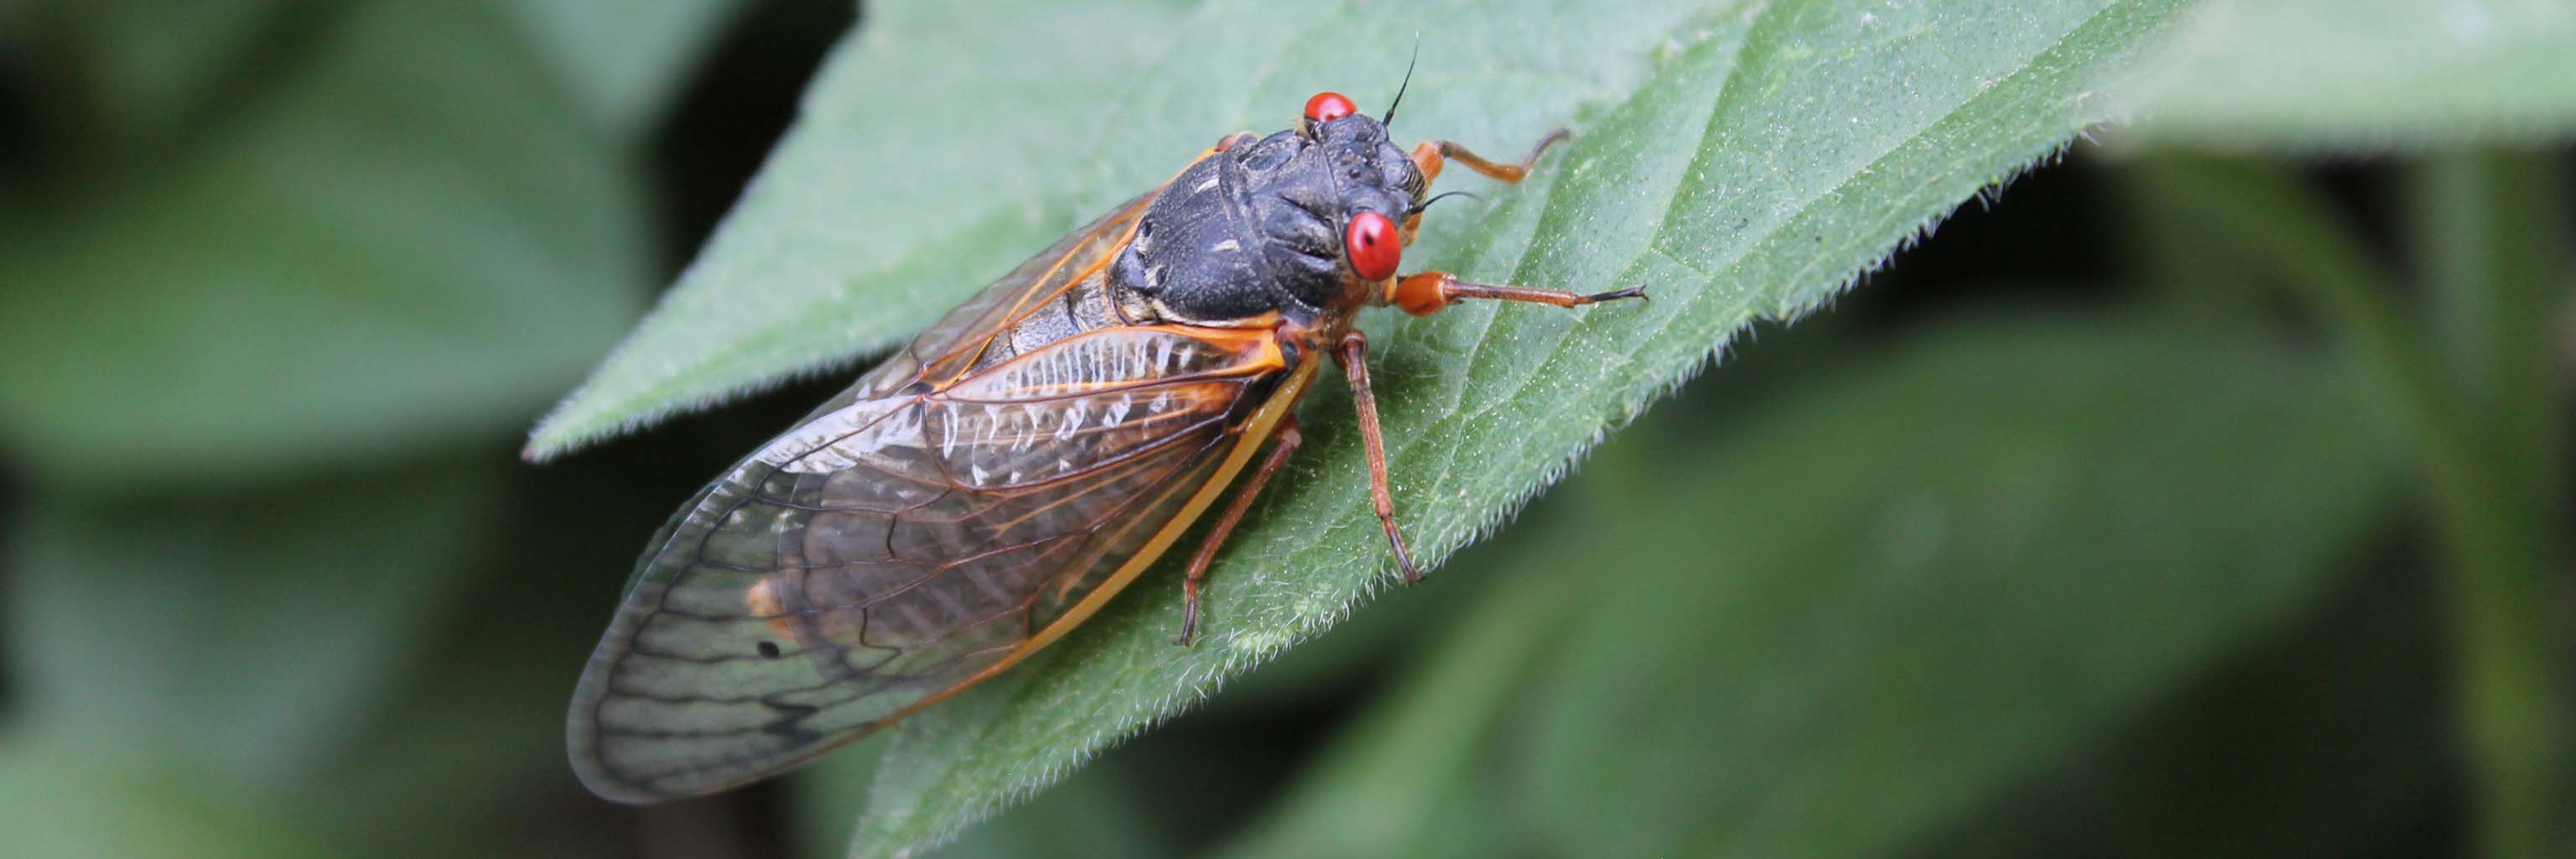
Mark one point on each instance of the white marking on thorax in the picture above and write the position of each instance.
(1227, 245)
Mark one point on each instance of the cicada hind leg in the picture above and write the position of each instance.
(1283, 443)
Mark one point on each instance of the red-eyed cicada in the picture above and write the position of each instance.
(1008, 472)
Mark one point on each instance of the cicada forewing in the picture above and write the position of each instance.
(959, 506)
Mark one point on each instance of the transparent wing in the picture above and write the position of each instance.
(949, 348)
(898, 545)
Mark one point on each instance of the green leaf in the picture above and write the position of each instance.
(1744, 161)
(623, 60)
(820, 798)
(1390, 788)
(408, 240)
(2361, 75)
(1110, 811)
(241, 636)
(1934, 578)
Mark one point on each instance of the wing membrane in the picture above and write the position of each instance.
(901, 543)
(950, 347)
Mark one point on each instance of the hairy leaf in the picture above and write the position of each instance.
(1903, 590)
(1741, 160)
(1909, 623)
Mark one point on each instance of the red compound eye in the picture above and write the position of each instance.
(1329, 106)
(1372, 246)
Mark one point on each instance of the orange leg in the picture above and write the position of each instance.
(1428, 292)
(1353, 357)
(1284, 442)
(1431, 153)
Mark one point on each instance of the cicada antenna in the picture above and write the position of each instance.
(1418, 207)
(1389, 119)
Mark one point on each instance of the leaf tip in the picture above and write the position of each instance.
(549, 440)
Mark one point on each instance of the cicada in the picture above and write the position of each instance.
(1015, 466)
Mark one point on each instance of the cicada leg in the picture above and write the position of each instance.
(1428, 292)
(1431, 154)
(1423, 294)
(1284, 441)
(1353, 356)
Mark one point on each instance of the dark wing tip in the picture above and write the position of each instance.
(589, 758)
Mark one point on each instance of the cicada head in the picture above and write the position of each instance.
(1299, 222)
(1378, 185)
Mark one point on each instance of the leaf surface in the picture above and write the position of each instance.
(1743, 161)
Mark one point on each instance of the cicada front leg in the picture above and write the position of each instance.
(1428, 292)
(1423, 294)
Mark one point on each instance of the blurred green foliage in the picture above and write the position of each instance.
(2182, 500)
